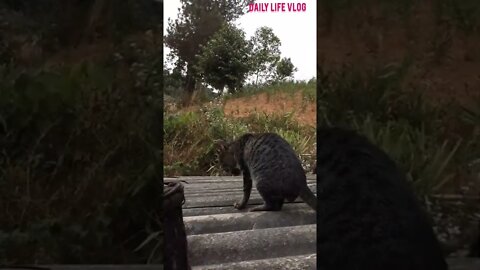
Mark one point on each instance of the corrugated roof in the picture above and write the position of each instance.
(222, 237)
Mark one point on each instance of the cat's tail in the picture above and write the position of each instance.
(308, 197)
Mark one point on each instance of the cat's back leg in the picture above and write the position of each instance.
(270, 204)
(273, 199)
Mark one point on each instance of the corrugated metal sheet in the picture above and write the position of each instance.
(222, 237)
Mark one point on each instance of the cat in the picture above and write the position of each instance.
(368, 216)
(272, 164)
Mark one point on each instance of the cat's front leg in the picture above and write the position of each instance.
(247, 188)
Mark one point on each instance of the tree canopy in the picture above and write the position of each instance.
(197, 21)
(208, 48)
(224, 60)
(265, 53)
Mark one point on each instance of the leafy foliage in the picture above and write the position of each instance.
(227, 59)
(265, 54)
(285, 69)
(224, 59)
(207, 48)
(197, 22)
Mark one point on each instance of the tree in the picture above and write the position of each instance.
(197, 21)
(265, 54)
(224, 59)
(172, 82)
(284, 69)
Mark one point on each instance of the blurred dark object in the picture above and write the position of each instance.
(475, 247)
(174, 229)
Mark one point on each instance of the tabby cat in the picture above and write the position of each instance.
(368, 216)
(272, 164)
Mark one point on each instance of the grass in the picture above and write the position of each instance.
(462, 13)
(189, 137)
(80, 148)
(428, 141)
(79, 174)
(307, 88)
(432, 143)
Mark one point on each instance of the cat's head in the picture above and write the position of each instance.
(225, 153)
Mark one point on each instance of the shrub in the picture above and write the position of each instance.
(189, 137)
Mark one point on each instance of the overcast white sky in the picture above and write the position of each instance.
(296, 31)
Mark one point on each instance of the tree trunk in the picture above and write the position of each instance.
(189, 89)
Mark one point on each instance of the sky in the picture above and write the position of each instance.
(296, 31)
